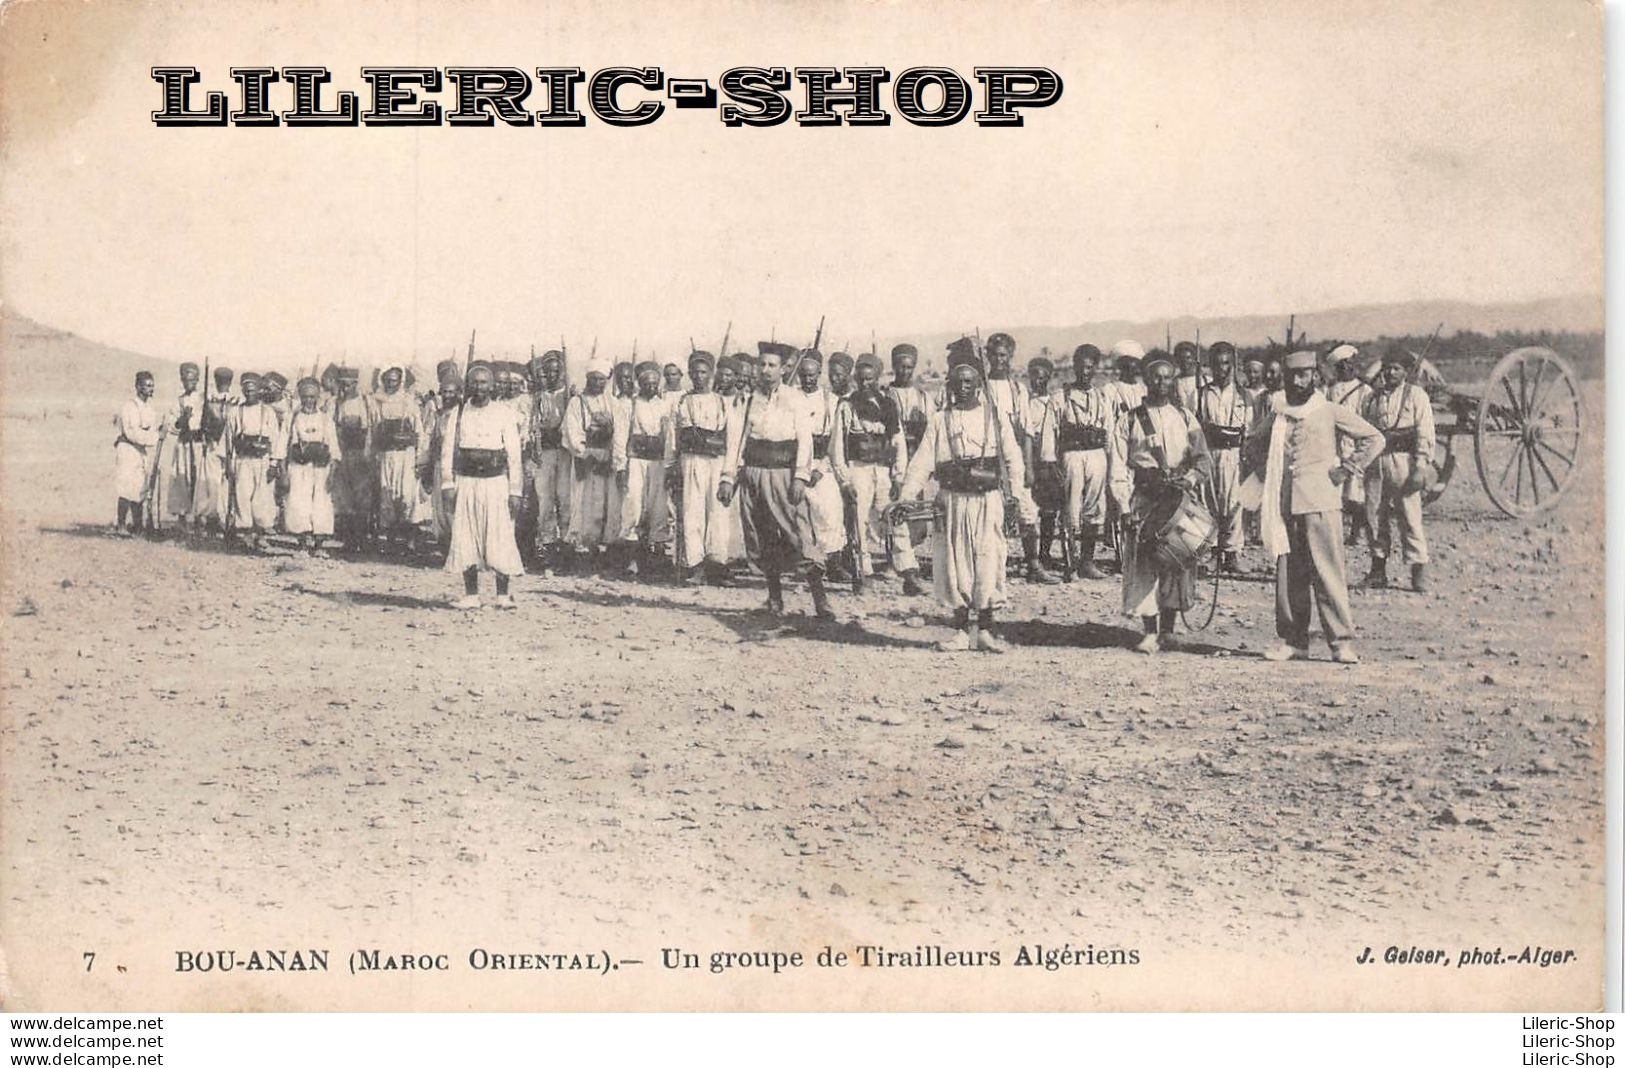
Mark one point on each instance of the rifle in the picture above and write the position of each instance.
(194, 455)
(723, 351)
(1416, 368)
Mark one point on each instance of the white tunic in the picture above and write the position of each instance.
(135, 448)
(482, 533)
(968, 545)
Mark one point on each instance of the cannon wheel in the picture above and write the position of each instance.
(1531, 428)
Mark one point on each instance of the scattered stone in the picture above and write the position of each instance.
(837, 890)
(950, 742)
(1544, 765)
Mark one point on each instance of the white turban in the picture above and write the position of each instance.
(1128, 348)
(1341, 353)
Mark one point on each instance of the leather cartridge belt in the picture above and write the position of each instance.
(479, 463)
(914, 430)
(1400, 439)
(393, 435)
(251, 446)
(548, 437)
(760, 452)
(1223, 437)
(312, 453)
(646, 446)
(820, 446)
(698, 441)
(599, 435)
(971, 475)
(352, 436)
(1154, 478)
(1079, 437)
(867, 447)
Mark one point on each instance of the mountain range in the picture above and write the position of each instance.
(42, 367)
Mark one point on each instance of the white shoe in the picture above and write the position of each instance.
(959, 643)
(990, 643)
(1285, 651)
(1343, 653)
(1148, 644)
(506, 601)
(469, 602)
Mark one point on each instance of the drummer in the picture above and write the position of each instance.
(1158, 455)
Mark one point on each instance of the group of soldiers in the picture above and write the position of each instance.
(784, 462)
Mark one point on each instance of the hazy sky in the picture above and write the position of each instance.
(1206, 158)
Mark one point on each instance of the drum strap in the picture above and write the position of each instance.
(1143, 415)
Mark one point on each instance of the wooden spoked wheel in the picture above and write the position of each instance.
(1531, 431)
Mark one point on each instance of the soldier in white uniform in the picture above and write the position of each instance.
(589, 433)
(1225, 412)
(915, 407)
(481, 450)
(1348, 389)
(547, 461)
(1085, 419)
(1158, 451)
(825, 531)
(1396, 482)
(255, 445)
(640, 454)
(699, 428)
(134, 452)
(770, 463)
(868, 455)
(1009, 396)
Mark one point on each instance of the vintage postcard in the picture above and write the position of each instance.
(834, 505)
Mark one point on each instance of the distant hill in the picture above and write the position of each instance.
(43, 369)
(1361, 322)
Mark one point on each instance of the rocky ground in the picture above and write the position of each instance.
(204, 750)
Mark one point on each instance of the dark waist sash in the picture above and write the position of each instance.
(352, 436)
(698, 441)
(1223, 437)
(970, 475)
(820, 446)
(480, 463)
(548, 437)
(867, 447)
(251, 446)
(393, 435)
(914, 431)
(1076, 437)
(1402, 439)
(646, 446)
(313, 453)
(762, 453)
(1150, 478)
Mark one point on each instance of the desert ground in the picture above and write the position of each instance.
(204, 750)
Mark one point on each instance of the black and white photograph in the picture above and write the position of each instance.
(802, 506)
